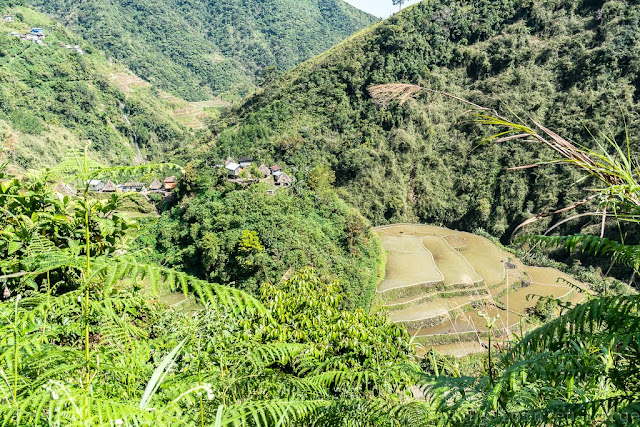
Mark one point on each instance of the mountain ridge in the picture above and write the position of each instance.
(59, 92)
(419, 161)
(198, 50)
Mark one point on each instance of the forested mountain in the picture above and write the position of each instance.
(59, 92)
(261, 295)
(197, 49)
(571, 64)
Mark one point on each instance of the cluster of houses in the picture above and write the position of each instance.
(156, 186)
(95, 185)
(73, 49)
(241, 172)
(36, 35)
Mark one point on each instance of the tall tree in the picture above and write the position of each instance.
(399, 3)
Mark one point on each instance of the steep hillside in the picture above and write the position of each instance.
(198, 49)
(567, 63)
(54, 96)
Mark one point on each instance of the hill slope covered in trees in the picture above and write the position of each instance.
(54, 97)
(199, 49)
(566, 63)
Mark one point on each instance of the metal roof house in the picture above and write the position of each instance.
(275, 170)
(128, 187)
(37, 31)
(95, 185)
(7, 18)
(233, 169)
(245, 161)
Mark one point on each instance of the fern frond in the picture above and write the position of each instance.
(270, 413)
(605, 320)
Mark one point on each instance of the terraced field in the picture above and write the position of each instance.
(440, 283)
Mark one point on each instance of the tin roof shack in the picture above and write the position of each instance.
(170, 183)
(245, 162)
(275, 170)
(109, 187)
(95, 185)
(7, 18)
(129, 187)
(233, 170)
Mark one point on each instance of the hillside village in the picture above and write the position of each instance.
(37, 35)
(164, 187)
(245, 172)
(242, 172)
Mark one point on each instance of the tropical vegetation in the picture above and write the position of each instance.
(53, 99)
(200, 49)
(242, 304)
(567, 63)
(249, 237)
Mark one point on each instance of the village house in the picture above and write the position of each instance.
(156, 186)
(233, 170)
(170, 183)
(36, 31)
(129, 187)
(109, 187)
(264, 170)
(15, 34)
(95, 185)
(7, 18)
(283, 180)
(245, 162)
(275, 170)
(235, 173)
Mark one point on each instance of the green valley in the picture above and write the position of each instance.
(431, 222)
(61, 92)
(198, 50)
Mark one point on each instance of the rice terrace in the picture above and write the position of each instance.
(440, 282)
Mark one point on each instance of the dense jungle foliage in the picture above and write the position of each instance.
(198, 49)
(84, 340)
(569, 64)
(272, 323)
(244, 238)
(53, 99)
